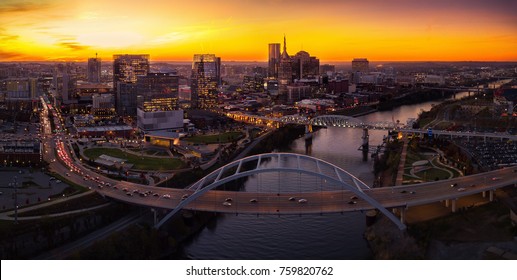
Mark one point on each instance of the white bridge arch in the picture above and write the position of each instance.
(303, 164)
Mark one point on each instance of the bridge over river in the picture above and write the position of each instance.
(349, 193)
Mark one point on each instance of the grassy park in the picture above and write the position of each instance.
(139, 162)
(225, 137)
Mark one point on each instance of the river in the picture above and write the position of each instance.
(328, 236)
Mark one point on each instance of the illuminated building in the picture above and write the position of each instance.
(158, 92)
(274, 60)
(94, 70)
(103, 106)
(126, 69)
(206, 75)
(158, 102)
(285, 71)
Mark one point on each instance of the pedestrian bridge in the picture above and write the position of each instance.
(351, 122)
(351, 194)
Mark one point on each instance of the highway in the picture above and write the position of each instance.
(316, 202)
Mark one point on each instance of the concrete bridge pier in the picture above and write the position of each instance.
(447, 203)
(453, 205)
(403, 214)
(483, 194)
(491, 195)
(155, 219)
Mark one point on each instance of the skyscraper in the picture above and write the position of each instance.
(285, 71)
(158, 91)
(94, 70)
(206, 76)
(158, 102)
(274, 60)
(126, 69)
(360, 65)
(305, 66)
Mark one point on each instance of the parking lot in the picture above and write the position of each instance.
(31, 187)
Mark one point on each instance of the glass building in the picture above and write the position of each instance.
(206, 76)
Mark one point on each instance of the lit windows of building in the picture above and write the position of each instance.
(206, 76)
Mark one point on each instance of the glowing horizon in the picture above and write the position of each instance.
(332, 30)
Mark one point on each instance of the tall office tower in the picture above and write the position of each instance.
(126, 69)
(360, 65)
(94, 70)
(285, 70)
(158, 91)
(274, 60)
(305, 66)
(158, 102)
(206, 76)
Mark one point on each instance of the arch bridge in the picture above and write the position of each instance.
(281, 162)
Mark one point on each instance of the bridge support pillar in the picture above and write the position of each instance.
(491, 195)
(155, 220)
(483, 194)
(402, 214)
(453, 205)
(446, 203)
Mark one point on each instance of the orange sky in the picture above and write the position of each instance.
(332, 30)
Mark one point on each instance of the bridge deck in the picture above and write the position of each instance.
(318, 202)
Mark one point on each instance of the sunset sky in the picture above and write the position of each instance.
(332, 30)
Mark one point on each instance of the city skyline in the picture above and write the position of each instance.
(56, 30)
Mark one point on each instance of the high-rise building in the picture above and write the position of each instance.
(360, 65)
(94, 70)
(305, 66)
(158, 102)
(158, 92)
(285, 70)
(126, 69)
(274, 60)
(206, 76)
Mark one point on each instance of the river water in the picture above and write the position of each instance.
(328, 236)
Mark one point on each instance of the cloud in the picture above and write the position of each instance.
(72, 45)
(7, 55)
(5, 36)
(21, 7)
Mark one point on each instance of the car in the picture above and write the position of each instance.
(156, 194)
(67, 174)
(403, 191)
(185, 196)
(226, 203)
(292, 198)
(352, 202)
(108, 184)
(125, 189)
(496, 178)
(412, 192)
(58, 181)
(302, 200)
(454, 185)
(228, 199)
(129, 194)
(99, 186)
(253, 200)
(115, 187)
(461, 189)
(166, 195)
